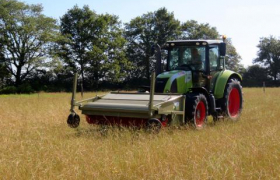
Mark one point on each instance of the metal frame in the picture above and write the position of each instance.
(153, 111)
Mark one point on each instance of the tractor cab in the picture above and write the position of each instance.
(190, 64)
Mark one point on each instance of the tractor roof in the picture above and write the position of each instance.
(196, 41)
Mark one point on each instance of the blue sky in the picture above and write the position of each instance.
(244, 21)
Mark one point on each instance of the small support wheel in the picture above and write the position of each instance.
(73, 120)
(153, 126)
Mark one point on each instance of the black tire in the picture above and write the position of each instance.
(232, 102)
(153, 126)
(196, 110)
(73, 120)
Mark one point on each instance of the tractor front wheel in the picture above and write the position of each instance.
(233, 100)
(197, 110)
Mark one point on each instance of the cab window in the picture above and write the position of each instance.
(213, 57)
(187, 58)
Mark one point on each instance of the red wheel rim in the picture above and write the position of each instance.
(234, 102)
(200, 114)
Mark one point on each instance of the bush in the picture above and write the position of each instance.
(8, 90)
(25, 89)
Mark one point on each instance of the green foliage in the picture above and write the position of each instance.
(233, 59)
(76, 30)
(108, 60)
(8, 90)
(255, 76)
(25, 34)
(269, 56)
(4, 74)
(25, 89)
(193, 30)
(92, 45)
(142, 32)
(22, 89)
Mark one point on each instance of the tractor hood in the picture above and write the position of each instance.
(176, 81)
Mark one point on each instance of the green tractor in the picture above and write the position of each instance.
(194, 85)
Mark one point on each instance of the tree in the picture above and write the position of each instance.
(25, 34)
(142, 32)
(91, 44)
(4, 73)
(233, 59)
(193, 30)
(77, 34)
(107, 58)
(269, 56)
(255, 75)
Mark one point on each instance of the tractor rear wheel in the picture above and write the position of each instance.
(197, 110)
(232, 103)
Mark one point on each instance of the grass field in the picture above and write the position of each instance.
(36, 143)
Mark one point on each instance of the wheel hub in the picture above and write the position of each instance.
(234, 102)
(198, 114)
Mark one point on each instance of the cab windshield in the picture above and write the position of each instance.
(186, 58)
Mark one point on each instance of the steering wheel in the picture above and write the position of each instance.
(186, 65)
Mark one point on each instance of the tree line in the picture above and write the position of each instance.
(39, 53)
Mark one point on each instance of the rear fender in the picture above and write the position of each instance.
(221, 82)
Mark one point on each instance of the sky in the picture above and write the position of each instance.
(243, 21)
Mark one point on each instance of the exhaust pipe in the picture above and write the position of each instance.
(158, 59)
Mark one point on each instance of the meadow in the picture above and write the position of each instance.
(36, 143)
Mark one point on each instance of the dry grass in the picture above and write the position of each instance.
(36, 143)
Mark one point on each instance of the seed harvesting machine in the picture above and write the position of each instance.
(194, 85)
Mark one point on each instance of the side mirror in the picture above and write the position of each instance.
(222, 49)
(221, 64)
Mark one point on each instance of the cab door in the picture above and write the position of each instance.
(213, 65)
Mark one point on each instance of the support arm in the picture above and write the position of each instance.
(74, 93)
(152, 92)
